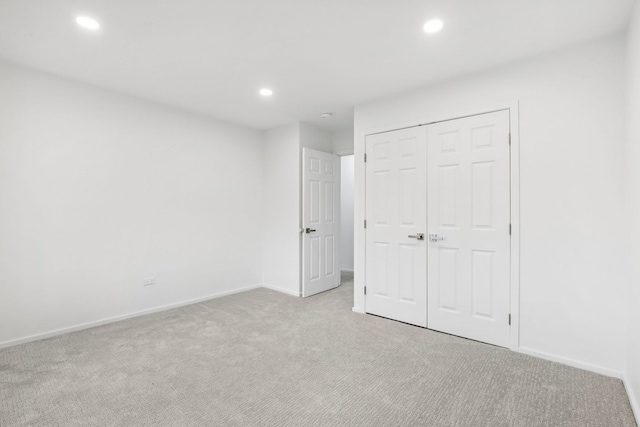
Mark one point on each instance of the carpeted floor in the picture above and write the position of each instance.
(264, 358)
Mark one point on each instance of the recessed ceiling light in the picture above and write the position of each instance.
(88, 23)
(433, 26)
(266, 92)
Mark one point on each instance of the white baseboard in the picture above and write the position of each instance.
(114, 319)
(357, 310)
(633, 398)
(282, 290)
(346, 270)
(570, 362)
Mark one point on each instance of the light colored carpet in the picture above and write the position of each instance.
(264, 358)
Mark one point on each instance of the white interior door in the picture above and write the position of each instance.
(469, 230)
(320, 221)
(395, 218)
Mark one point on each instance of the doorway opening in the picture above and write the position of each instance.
(346, 219)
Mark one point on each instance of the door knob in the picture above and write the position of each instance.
(435, 238)
(419, 236)
(309, 230)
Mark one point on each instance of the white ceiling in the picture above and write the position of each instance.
(212, 56)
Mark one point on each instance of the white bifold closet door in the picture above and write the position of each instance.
(469, 231)
(396, 254)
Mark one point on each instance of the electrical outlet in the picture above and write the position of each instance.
(149, 281)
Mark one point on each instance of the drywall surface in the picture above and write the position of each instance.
(342, 142)
(100, 191)
(283, 201)
(346, 213)
(281, 209)
(632, 372)
(314, 138)
(571, 105)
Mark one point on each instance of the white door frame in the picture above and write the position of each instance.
(360, 182)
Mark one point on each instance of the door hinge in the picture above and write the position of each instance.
(509, 319)
(365, 290)
(509, 229)
(365, 157)
(365, 223)
(509, 139)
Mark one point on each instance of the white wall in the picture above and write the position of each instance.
(346, 213)
(283, 201)
(101, 190)
(571, 107)
(281, 208)
(632, 373)
(342, 142)
(315, 138)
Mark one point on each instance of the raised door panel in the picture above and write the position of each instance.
(447, 287)
(329, 255)
(381, 261)
(483, 284)
(315, 260)
(315, 202)
(482, 195)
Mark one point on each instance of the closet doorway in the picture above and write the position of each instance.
(438, 234)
